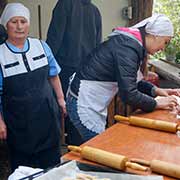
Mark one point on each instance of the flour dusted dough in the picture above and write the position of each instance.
(81, 176)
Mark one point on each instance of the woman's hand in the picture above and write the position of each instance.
(161, 92)
(62, 104)
(168, 102)
(3, 130)
(167, 92)
(56, 84)
(173, 92)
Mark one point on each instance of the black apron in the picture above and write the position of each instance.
(31, 112)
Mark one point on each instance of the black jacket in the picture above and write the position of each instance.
(118, 60)
(75, 30)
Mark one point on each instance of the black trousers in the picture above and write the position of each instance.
(44, 159)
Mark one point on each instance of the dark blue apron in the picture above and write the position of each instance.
(30, 111)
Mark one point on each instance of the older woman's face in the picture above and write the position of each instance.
(158, 43)
(17, 28)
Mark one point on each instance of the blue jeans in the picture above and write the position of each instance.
(79, 133)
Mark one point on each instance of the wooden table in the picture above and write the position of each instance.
(136, 142)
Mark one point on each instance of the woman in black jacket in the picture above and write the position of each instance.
(114, 66)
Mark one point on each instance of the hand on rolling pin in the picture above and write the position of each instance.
(168, 102)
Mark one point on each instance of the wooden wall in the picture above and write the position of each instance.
(141, 10)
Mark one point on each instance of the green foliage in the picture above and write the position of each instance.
(177, 60)
(158, 55)
(170, 49)
(171, 8)
(174, 46)
(176, 40)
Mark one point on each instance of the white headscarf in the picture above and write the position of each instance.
(158, 25)
(14, 9)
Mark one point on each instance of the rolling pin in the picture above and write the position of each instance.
(149, 123)
(106, 158)
(161, 167)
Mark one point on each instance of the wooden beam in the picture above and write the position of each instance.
(141, 9)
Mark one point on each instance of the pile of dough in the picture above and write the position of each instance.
(81, 176)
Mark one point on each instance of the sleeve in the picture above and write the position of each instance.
(98, 27)
(1, 89)
(146, 88)
(127, 65)
(57, 26)
(54, 68)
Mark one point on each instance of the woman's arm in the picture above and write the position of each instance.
(3, 130)
(56, 84)
(138, 95)
(54, 80)
(167, 92)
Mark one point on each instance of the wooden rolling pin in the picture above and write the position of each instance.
(106, 158)
(149, 123)
(161, 167)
